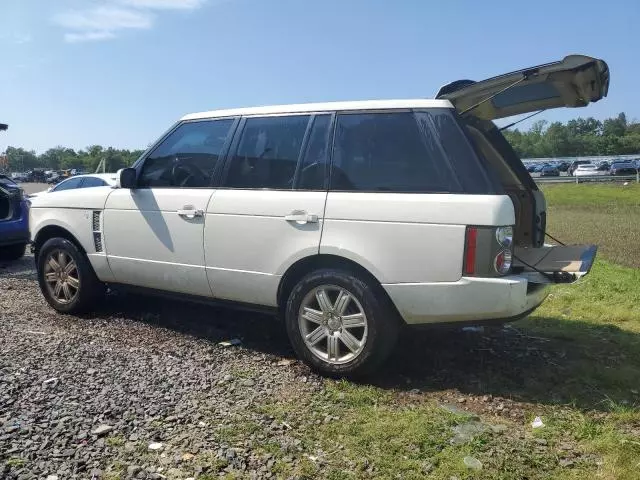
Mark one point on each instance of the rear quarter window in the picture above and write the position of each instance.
(405, 151)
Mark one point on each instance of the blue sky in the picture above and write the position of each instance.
(119, 72)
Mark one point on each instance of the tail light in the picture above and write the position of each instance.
(470, 251)
(488, 251)
(502, 262)
(504, 236)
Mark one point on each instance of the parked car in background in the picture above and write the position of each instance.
(563, 166)
(531, 167)
(18, 176)
(14, 220)
(575, 164)
(549, 171)
(586, 170)
(54, 178)
(604, 166)
(623, 168)
(81, 181)
(410, 219)
(36, 175)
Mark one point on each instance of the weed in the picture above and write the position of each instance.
(16, 462)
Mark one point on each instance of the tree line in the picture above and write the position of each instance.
(63, 158)
(576, 138)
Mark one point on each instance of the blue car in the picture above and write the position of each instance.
(14, 220)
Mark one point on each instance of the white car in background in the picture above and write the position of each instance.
(347, 219)
(588, 170)
(80, 181)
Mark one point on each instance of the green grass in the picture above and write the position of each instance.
(598, 195)
(609, 295)
(115, 441)
(383, 438)
(15, 462)
(607, 215)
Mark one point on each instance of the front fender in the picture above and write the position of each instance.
(75, 221)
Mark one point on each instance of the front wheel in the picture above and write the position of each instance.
(66, 277)
(339, 324)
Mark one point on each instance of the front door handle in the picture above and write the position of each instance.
(301, 217)
(190, 213)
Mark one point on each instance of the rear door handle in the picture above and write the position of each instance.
(301, 217)
(190, 213)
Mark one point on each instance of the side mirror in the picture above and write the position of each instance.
(126, 178)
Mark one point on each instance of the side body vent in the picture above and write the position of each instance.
(96, 226)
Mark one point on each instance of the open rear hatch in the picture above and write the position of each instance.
(574, 81)
(554, 263)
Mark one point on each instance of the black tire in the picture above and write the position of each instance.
(12, 252)
(381, 318)
(90, 288)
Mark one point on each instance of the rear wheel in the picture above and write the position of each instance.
(340, 324)
(12, 252)
(66, 277)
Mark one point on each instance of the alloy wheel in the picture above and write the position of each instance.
(333, 324)
(61, 276)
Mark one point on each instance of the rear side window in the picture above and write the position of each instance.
(68, 184)
(387, 152)
(188, 157)
(267, 153)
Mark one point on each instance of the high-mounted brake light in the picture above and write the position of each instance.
(470, 251)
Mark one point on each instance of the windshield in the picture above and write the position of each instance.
(7, 182)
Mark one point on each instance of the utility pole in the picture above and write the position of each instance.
(101, 165)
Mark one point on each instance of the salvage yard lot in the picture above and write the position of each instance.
(153, 371)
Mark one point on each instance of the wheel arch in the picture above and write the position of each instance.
(54, 231)
(320, 261)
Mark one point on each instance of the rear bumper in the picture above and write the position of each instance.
(16, 231)
(14, 237)
(468, 299)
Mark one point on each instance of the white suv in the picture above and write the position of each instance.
(348, 219)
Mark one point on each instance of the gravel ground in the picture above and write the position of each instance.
(92, 397)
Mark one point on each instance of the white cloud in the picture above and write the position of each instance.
(164, 4)
(103, 19)
(104, 22)
(88, 36)
(101, 23)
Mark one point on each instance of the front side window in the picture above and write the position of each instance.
(67, 184)
(387, 152)
(267, 153)
(188, 157)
